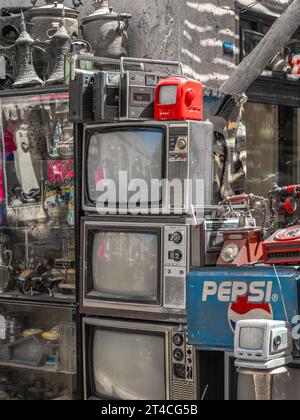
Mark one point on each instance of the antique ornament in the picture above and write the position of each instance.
(58, 47)
(106, 31)
(21, 56)
(45, 20)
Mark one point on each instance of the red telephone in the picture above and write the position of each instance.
(283, 247)
(242, 246)
(178, 98)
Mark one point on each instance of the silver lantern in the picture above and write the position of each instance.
(106, 31)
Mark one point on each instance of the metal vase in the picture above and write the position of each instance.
(106, 31)
(45, 20)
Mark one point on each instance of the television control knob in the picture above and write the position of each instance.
(176, 238)
(178, 340)
(277, 341)
(178, 355)
(177, 255)
(181, 144)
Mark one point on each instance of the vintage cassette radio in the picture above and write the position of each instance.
(137, 89)
(137, 268)
(81, 97)
(283, 247)
(178, 98)
(106, 95)
(138, 361)
(212, 242)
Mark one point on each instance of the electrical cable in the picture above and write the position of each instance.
(243, 9)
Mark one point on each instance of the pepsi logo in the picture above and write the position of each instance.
(242, 309)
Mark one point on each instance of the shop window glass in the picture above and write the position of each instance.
(273, 146)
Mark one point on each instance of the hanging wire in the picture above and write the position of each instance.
(243, 9)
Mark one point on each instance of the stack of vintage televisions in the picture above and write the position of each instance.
(134, 260)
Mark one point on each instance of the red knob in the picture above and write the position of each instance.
(190, 96)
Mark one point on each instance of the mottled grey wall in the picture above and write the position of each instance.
(189, 30)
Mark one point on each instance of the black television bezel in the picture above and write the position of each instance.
(88, 279)
(90, 379)
(142, 126)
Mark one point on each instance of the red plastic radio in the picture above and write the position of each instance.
(178, 98)
(283, 247)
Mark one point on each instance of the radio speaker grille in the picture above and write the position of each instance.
(184, 391)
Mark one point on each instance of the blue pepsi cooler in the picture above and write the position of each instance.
(217, 298)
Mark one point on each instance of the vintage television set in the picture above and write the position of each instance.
(147, 151)
(240, 387)
(137, 361)
(125, 360)
(137, 268)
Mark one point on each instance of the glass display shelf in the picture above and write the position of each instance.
(38, 342)
(19, 384)
(37, 197)
(45, 369)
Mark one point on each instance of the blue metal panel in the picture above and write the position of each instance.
(219, 297)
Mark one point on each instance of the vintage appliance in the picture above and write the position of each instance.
(217, 298)
(148, 151)
(137, 88)
(242, 386)
(178, 98)
(262, 344)
(243, 245)
(283, 247)
(213, 231)
(284, 202)
(106, 95)
(81, 97)
(137, 268)
(115, 92)
(137, 361)
(106, 30)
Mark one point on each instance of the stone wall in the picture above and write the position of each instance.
(192, 31)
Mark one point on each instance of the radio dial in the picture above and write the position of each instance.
(176, 238)
(181, 144)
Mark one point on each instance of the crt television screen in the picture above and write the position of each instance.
(168, 95)
(136, 151)
(124, 265)
(252, 339)
(129, 365)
